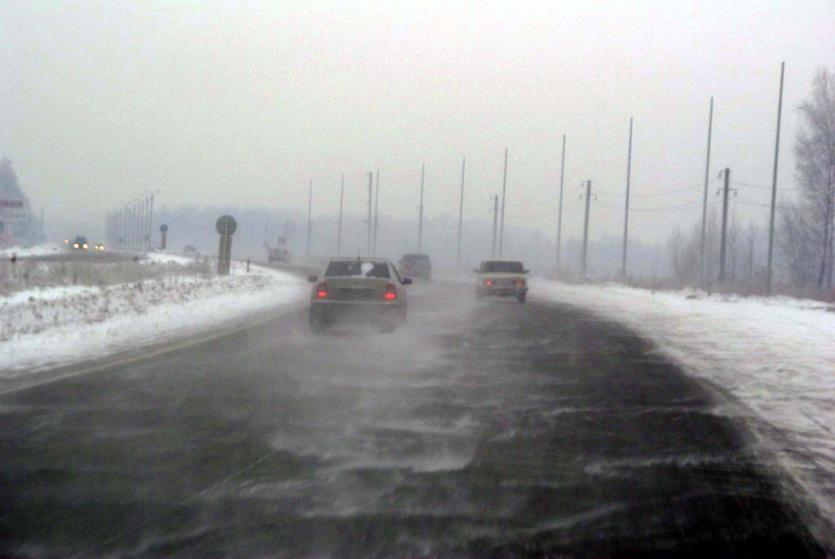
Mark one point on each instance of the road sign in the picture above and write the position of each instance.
(226, 225)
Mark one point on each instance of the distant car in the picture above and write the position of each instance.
(80, 243)
(358, 290)
(416, 266)
(505, 278)
(278, 255)
(189, 250)
(99, 246)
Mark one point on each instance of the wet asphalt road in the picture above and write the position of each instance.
(481, 429)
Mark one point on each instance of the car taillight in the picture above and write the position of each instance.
(488, 282)
(391, 293)
(322, 290)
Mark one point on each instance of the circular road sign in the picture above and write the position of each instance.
(226, 224)
(163, 228)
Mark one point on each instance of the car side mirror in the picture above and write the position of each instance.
(312, 279)
(407, 281)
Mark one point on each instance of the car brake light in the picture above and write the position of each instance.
(391, 293)
(322, 291)
(488, 282)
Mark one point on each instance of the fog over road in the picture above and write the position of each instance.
(482, 428)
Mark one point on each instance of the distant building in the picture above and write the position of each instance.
(17, 224)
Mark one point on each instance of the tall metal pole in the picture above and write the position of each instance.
(376, 214)
(626, 211)
(339, 227)
(309, 218)
(722, 249)
(461, 212)
(150, 222)
(704, 202)
(495, 219)
(420, 211)
(504, 201)
(136, 223)
(370, 195)
(769, 274)
(559, 214)
(143, 225)
(586, 229)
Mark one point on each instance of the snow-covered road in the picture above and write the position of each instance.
(777, 356)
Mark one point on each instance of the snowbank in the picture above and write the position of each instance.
(45, 328)
(37, 250)
(775, 355)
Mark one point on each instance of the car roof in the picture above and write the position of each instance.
(501, 260)
(360, 258)
(415, 255)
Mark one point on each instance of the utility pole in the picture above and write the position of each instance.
(586, 229)
(461, 213)
(376, 214)
(626, 212)
(339, 227)
(136, 223)
(420, 212)
(559, 214)
(143, 225)
(309, 218)
(370, 195)
(704, 202)
(768, 286)
(504, 201)
(495, 219)
(150, 221)
(722, 248)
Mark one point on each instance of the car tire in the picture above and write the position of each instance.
(522, 296)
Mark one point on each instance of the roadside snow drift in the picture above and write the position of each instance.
(775, 355)
(41, 328)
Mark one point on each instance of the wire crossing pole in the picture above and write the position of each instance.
(559, 213)
(722, 246)
(420, 212)
(586, 229)
(626, 212)
(370, 195)
(504, 201)
(309, 218)
(339, 226)
(769, 274)
(495, 219)
(376, 214)
(704, 202)
(461, 212)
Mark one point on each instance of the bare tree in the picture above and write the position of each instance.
(812, 220)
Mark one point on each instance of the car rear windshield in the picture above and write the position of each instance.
(416, 258)
(342, 268)
(504, 267)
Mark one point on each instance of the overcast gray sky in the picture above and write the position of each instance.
(212, 103)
